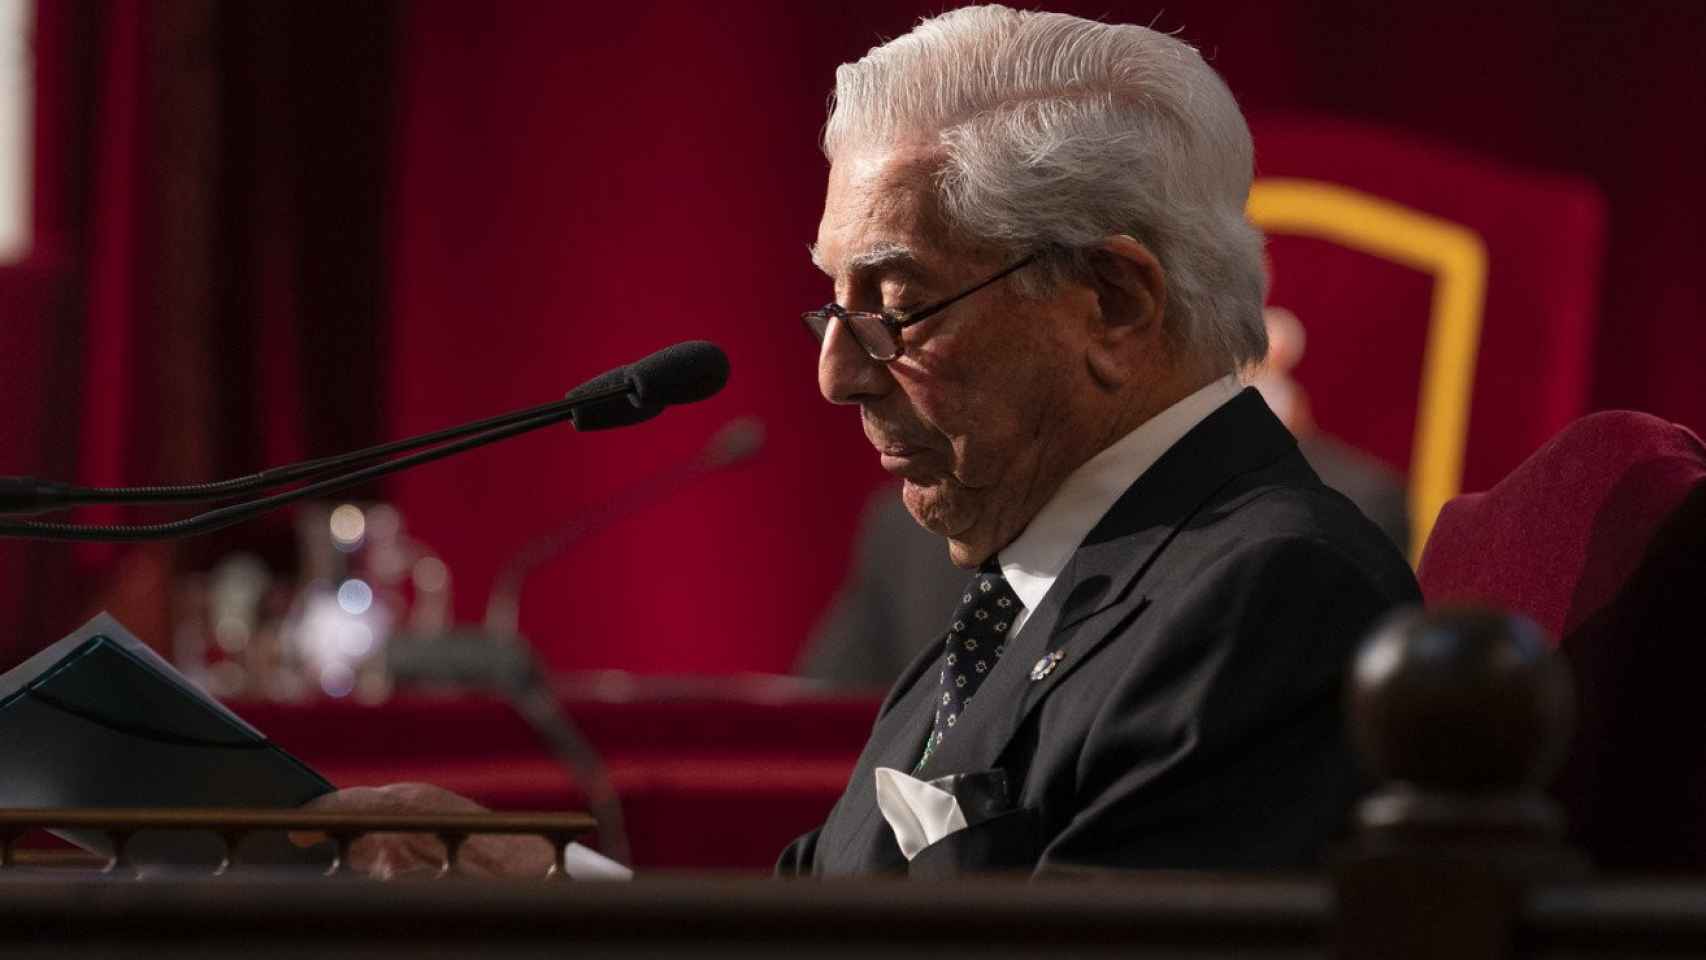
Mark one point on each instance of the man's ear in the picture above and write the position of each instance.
(1131, 291)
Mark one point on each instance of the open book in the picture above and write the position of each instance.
(100, 720)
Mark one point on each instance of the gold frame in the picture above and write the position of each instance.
(1456, 257)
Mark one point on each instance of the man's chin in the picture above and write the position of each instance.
(965, 555)
(925, 501)
(939, 506)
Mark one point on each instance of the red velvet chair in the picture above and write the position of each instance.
(1600, 536)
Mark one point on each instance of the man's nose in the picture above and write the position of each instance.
(845, 372)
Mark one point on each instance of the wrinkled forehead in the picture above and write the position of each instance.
(881, 214)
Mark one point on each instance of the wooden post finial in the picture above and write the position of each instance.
(1463, 714)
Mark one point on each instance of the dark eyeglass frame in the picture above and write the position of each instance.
(866, 326)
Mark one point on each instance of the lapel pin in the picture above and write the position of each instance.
(1046, 665)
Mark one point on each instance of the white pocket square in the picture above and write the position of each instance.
(919, 812)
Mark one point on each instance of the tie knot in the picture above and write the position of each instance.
(987, 596)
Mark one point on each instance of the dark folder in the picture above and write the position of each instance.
(100, 720)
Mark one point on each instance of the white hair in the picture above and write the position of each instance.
(1059, 132)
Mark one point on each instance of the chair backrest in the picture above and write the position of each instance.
(1600, 536)
(1450, 299)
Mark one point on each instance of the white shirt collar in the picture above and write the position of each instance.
(1032, 562)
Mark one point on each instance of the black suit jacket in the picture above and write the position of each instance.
(1194, 719)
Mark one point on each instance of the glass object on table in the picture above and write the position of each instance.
(362, 578)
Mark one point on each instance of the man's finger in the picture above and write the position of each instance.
(306, 838)
(351, 800)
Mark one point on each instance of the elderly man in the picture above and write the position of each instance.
(1045, 289)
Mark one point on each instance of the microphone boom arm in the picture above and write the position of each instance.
(519, 422)
(67, 496)
(684, 373)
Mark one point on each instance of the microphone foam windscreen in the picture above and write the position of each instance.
(609, 413)
(607, 382)
(685, 373)
(618, 407)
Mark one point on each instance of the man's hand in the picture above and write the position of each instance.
(389, 855)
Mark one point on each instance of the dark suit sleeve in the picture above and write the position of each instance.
(1221, 743)
(796, 858)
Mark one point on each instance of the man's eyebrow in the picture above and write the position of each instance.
(894, 257)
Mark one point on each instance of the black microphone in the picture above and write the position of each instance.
(608, 400)
(684, 373)
(616, 404)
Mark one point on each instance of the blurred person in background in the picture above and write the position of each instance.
(1376, 489)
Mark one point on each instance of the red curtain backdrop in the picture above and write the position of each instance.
(581, 185)
(558, 188)
(203, 295)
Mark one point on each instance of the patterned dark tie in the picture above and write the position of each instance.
(975, 641)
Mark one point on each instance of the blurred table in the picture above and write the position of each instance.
(712, 772)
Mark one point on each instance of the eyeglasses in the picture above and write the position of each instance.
(879, 333)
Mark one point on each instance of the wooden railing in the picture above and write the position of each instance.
(233, 826)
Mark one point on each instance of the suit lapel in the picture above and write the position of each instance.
(1096, 596)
